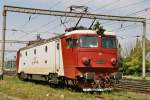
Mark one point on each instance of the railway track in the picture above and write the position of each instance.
(136, 85)
(142, 86)
(10, 73)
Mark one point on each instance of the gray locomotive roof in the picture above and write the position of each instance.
(37, 43)
(41, 42)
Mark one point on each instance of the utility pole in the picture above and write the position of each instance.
(3, 44)
(144, 50)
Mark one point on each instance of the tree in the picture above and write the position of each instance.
(97, 26)
(133, 63)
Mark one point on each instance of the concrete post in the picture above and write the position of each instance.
(144, 50)
(3, 45)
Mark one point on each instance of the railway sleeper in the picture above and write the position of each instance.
(138, 86)
(134, 88)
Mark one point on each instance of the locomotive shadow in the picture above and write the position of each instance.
(55, 86)
(68, 87)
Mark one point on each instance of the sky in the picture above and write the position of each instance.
(29, 25)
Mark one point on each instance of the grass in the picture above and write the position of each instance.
(11, 88)
(138, 76)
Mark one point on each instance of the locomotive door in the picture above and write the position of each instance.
(57, 56)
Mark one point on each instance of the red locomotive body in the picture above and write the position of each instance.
(86, 58)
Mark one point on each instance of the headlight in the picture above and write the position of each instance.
(113, 61)
(86, 61)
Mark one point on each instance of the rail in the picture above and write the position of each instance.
(136, 85)
(10, 73)
(142, 86)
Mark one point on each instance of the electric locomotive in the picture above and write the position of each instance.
(82, 58)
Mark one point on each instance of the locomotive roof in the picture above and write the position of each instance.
(81, 32)
(66, 34)
(88, 32)
(42, 42)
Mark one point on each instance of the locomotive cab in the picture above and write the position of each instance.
(88, 55)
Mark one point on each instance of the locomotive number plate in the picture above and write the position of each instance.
(100, 62)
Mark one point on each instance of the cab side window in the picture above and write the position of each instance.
(46, 48)
(75, 43)
(34, 51)
(68, 42)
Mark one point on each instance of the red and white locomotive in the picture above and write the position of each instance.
(80, 57)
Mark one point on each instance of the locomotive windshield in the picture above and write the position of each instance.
(88, 42)
(108, 42)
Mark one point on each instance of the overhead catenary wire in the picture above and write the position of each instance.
(58, 1)
(44, 25)
(123, 28)
(56, 4)
(128, 37)
(15, 41)
(35, 17)
(145, 9)
(122, 7)
(107, 5)
(36, 30)
(117, 29)
(56, 19)
(103, 5)
(127, 14)
(25, 31)
(125, 6)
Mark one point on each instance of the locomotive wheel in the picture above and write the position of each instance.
(61, 85)
(22, 76)
(29, 77)
(91, 92)
(52, 85)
